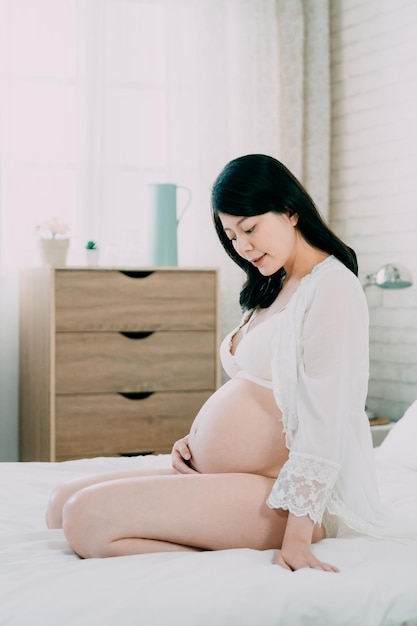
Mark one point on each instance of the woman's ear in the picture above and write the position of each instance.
(293, 218)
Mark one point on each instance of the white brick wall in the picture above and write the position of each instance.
(373, 195)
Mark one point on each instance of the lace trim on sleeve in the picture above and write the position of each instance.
(304, 485)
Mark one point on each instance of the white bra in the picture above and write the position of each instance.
(253, 355)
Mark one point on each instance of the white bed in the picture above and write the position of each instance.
(43, 583)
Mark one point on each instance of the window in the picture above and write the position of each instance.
(98, 100)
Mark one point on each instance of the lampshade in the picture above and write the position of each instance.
(390, 276)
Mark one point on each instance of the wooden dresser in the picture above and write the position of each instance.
(114, 361)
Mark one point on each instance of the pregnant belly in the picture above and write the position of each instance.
(239, 429)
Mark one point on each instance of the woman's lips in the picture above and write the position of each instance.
(258, 261)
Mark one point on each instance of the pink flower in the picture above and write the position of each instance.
(52, 227)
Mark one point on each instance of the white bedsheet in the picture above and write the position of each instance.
(42, 582)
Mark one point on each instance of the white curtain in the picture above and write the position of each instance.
(98, 98)
(264, 86)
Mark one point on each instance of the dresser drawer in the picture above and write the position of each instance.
(159, 361)
(90, 334)
(89, 425)
(134, 300)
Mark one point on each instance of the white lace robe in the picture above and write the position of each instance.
(320, 369)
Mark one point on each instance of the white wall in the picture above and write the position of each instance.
(373, 194)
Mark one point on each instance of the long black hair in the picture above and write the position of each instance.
(255, 184)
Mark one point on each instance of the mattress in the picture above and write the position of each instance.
(43, 583)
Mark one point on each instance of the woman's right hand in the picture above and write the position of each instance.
(180, 456)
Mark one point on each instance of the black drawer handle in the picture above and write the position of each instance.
(136, 335)
(135, 395)
(135, 453)
(136, 274)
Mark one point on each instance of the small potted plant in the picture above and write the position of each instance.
(53, 241)
(92, 252)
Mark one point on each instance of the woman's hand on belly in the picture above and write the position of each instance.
(180, 457)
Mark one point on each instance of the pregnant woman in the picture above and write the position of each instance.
(280, 456)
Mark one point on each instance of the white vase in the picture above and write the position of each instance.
(54, 251)
(92, 257)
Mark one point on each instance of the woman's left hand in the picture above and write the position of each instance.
(295, 558)
(296, 551)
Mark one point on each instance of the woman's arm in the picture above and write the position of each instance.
(296, 551)
(330, 391)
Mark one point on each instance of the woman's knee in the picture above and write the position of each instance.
(56, 503)
(59, 497)
(81, 525)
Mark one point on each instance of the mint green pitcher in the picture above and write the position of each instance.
(164, 222)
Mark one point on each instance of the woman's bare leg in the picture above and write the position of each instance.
(63, 492)
(174, 512)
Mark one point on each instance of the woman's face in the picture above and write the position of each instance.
(268, 241)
